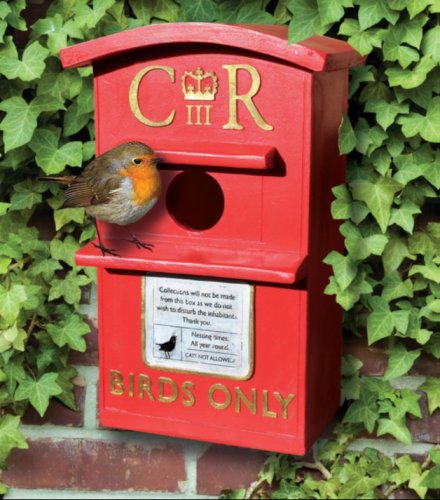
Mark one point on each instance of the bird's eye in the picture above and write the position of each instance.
(137, 161)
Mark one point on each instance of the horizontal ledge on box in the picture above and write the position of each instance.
(266, 265)
(230, 156)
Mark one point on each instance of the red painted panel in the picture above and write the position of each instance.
(247, 128)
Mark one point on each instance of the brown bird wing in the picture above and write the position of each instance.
(94, 185)
(79, 194)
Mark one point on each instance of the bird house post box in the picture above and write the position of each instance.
(222, 333)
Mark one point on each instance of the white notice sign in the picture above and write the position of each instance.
(199, 326)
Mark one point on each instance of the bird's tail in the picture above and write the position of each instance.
(68, 179)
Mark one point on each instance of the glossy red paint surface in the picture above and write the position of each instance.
(265, 149)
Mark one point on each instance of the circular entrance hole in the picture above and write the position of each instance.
(195, 200)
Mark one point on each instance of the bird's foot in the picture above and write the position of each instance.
(140, 244)
(106, 250)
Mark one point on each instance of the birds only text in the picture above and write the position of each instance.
(264, 403)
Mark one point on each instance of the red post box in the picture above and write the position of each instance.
(223, 332)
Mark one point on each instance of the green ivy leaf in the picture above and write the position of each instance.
(432, 478)
(431, 43)
(396, 428)
(364, 410)
(46, 268)
(407, 402)
(10, 437)
(406, 470)
(359, 482)
(12, 337)
(11, 301)
(19, 124)
(394, 287)
(433, 345)
(431, 171)
(305, 20)
(414, 7)
(413, 77)
(404, 215)
(161, 9)
(50, 156)
(395, 50)
(432, 389)
(348, 297)
(29, 68)
(386, 112)
(379, 321)
(427, 126)
(331, 11)
(67, 397)
(362, 41)
(347, 137)
(65, 215)
(68, 287)
(64, 250)
(400, 361)
(344, 268)
(14, 17)
(378, 196)
(70, 332)
(251, 13)
(89, 17)
(373, 11)
(358, 75)
(39, 391)
(27, 194)
(362, 247)
(200, 10)
(429, 271)
(4, 208)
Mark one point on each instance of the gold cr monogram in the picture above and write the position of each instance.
(234, 98)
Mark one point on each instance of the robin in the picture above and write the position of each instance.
(119, 186)
(168, 346)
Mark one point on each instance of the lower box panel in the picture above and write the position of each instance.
(266, 410)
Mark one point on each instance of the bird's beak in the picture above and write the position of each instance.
(157, 160)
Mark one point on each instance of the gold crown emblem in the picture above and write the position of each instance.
(199, 85)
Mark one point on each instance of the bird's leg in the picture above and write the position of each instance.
(100, 245)
(139, 244)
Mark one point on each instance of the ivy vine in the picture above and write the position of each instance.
(387, 280)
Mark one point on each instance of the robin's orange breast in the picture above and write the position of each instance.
(146, 184)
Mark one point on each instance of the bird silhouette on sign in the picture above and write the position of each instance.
(168, 346)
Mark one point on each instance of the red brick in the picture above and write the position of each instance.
(427, 428)
(426, 365)
(46, 464)
(402, 493)
(95, 465)
(374, 358)
(119, 466)
(224, 467)
(59, 414)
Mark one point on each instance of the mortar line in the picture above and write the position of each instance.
(90, 374)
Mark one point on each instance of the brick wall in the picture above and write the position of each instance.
(71, 456)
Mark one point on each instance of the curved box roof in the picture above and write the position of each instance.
(317, 53)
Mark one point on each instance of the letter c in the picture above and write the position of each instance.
(134, 100)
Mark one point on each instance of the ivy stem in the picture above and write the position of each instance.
(20, 263)
(253, 488)
(316, 464)
(32, 324)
